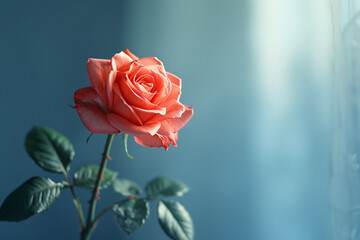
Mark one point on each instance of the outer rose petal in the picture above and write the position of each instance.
(120, 61)
(157, 140)
(109, 88)
(98, 71)
(173, 125)
(130, 54)
(128, 127)
(94, 120)
(91, 111)
(173, 111)
(174, 79)
(149, 141)
(88, 96)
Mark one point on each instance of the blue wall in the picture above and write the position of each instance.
(230, 164)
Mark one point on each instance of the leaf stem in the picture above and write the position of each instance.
(97, 218)
(76, 201)
(90, 218)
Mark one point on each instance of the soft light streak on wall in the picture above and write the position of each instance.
(292, 55)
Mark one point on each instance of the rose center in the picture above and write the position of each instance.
(145, 83)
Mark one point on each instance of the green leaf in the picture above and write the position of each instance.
(131, 214)
(34, 196)
(49, 149)
(85, 177)
(126, 187)
(175, 220)
(126, 148)
(165, 186)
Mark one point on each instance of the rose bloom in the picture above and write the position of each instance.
(134, 96)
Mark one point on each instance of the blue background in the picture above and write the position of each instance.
(256, 153)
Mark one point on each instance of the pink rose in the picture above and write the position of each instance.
(134, 96)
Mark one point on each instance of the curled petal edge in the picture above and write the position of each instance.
(157, 140)
(130, 128)
(130, 54)
(173, 125)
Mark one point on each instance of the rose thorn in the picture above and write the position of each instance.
(107, 156)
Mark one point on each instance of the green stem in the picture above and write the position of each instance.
(76, 200)
(90, 218)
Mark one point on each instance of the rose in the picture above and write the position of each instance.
(134, 96)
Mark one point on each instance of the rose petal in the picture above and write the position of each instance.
(173, 125)
(175, 110)
(163, 88)
(109, 87)
(123, 109)
(130, 70)
(120, 61)
(94, 120)
(144, 81)
(145, 114)
(157, 140)
(129, 128)
(174, 79)
(149, 141)
(172, 97)
(89, 97)
(130, 54)
(172, 138)
(154, 64)
(132, 96)
(98, 71)
(150, 61)
(92, 110)
(175, 93)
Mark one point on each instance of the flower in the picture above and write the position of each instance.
(134, 96)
